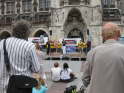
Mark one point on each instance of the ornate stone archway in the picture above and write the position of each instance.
(75, 33)
(5, 34)
(75, 24)
(40, 32)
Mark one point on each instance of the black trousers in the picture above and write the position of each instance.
(19, 90)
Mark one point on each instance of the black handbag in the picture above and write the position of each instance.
(18, 83)
(71, 89)
(21, 84)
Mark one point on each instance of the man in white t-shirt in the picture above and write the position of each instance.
(55, 71)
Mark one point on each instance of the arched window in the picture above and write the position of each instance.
(4, 35)
(75, 25)
(75, 33)
(74, 2)
(74, 15)
(40, 32)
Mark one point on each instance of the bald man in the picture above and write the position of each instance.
(104, 69)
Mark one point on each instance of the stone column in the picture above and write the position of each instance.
(2, 7)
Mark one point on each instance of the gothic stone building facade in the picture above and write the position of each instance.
(61, 18)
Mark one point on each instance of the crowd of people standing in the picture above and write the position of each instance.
(103, 71)
(25, 59)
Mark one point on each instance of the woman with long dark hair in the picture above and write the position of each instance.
(66, 74)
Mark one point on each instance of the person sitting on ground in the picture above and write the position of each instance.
(40, 88)
(55, 72)
(66, 74)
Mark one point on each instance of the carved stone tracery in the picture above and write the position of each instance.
(74, 25)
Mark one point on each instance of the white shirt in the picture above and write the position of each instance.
(56, 73)
(65, 74)
(22, 57)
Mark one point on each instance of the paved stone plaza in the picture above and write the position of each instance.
(76, 66)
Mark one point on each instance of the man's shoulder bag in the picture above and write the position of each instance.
(71, 89)
(18, 83)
